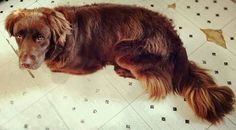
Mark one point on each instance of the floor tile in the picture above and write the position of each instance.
(7, 54)
(129, 88)
(87, 102)
(171, 113)
(39, 116)
(9, 5)
(208, 14)
(230, 36)
(191, 35)
(121, 121)
(17, 91)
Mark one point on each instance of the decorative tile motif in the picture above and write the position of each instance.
(173, 6)
(215, 36)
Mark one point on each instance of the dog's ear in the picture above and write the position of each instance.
(59, 25)
(12, 19)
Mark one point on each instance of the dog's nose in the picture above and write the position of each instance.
(27, 61)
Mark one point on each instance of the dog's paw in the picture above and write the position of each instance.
(123, 72)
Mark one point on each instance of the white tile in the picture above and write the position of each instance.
(214, 57)
(129, 88)
(47, 80)
(7, 6)
(226, 125)
(232, 116)
(48, 3)
(6, 53)
(79, 2)
(230, 36)
(229, 75)
(39, 116)
(87, 102)
(7, 36)
(229, 28)
(170, 1)
(160, 114)
(190, 34)
(208, 10)
(231, 46)
(120, 121)
(17, 91)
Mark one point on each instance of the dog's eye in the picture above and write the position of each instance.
(19, 36)
(39, 38)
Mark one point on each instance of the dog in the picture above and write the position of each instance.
(140, 43)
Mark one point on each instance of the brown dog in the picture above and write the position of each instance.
(140, 44)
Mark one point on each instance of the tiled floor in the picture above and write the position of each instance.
(53, 101)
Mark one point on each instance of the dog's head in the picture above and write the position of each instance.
(35, 30)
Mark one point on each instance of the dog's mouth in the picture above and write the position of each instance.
(30, 64)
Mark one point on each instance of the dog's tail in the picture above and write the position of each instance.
(209, 101)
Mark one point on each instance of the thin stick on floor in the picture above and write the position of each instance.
(30, 73)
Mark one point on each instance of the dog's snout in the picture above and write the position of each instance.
(27, 60)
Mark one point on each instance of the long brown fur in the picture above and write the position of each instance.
(208, 100)
(140, 43)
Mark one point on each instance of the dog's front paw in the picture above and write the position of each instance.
(123, 72)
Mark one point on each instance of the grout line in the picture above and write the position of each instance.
(37, 1)
(30, 73)
(141, 117)
(18, 112)
(197, 49)
(177, 11)
(55, 109)
(231, 52)
(228, 35)
(114, 116)
(231, 121)
(111, 83)
(192, 19)
(189, 20)
(209, 126)
(229, 22)
(129, 104)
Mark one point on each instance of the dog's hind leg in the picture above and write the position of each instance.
(147, 68)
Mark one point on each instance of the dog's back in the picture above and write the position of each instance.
(105, 25)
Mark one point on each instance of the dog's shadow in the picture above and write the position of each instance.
(11, 82)
(184, 112)
(46, 78)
